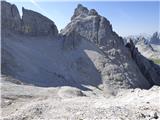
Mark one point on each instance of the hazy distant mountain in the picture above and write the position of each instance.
(147, 46)
(148, 50)
(155, 39)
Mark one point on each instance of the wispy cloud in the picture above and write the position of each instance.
(34, 2)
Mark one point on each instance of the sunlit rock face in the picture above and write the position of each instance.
(96, 28)
(118, 69)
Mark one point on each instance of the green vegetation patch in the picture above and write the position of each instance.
(157, 61)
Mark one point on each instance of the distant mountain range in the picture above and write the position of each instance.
(149, 46)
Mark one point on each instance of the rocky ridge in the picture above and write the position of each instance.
(155, 39)
(88, 45)
(98, 30)
(150, 70)
(30, 24)
(147, 49)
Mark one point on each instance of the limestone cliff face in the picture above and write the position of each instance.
(10, 18)
(32, 23)
(86, 52)
(118, 69)
(91, 25)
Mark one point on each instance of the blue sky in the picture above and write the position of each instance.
(127, 18)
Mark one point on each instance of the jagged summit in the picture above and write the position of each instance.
(155, 39)
(82, 11)
(98, 30)
(94, 27)
(32, 23)
(10, 18)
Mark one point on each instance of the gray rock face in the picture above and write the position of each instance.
(80, 11)
(71, 40)
(87, 52)
(93, 27)
(150, 70)
(34, 23)
(147, 50)
(10, 18)
(118, 70)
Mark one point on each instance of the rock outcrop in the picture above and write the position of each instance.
(71, 40)
(10, 18)
(32, 23)
(150, 70)
(91, 25)
(121, 72)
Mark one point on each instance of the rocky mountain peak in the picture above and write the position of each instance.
(94, 27)
(93, 12)
(10, 17)
(92, 53)
(32, 23)
(155, 39)
(82, 12)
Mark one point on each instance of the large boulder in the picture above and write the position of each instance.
(34, 23)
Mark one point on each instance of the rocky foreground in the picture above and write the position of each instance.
(24, 102)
